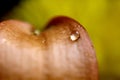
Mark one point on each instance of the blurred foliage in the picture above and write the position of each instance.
(101, 18)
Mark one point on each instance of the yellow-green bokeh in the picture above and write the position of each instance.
(101, 18)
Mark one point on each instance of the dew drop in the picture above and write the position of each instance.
(37, 32)
(75, 36)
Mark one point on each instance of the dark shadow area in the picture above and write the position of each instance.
(6, 6)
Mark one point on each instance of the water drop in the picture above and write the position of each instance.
(75, 36)
(37, 32)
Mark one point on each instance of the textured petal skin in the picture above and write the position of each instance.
(52, 55)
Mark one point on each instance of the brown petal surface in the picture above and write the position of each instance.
(63, 51)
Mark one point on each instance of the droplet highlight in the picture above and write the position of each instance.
(75, 36)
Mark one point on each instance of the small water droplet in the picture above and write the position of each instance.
(37, 32)
(75, 36)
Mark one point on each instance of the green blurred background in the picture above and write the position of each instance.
(101, 18)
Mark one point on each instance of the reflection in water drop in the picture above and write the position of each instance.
(75, 36)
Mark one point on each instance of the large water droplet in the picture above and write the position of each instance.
(75, 36)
